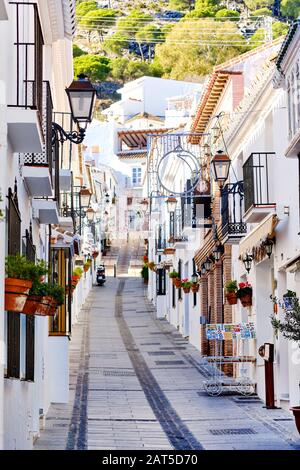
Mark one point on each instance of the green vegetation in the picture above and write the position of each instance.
(95, 67)
(124, 45)
(19, 267)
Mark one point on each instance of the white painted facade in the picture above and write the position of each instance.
(23, 404)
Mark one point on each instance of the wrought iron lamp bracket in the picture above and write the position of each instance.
(60, 135)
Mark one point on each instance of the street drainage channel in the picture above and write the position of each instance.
(180, 437)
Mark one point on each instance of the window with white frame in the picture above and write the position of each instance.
(136, 175)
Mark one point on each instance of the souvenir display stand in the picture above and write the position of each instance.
(241, 382)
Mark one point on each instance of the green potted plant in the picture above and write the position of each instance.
(77, 273)
(18, 281)
(289, 299)
(145, 273)
(290, 329)
(195, 287)
(244, 293)
(231, 288)
(57, 293)
(174, 275)
(186, 285)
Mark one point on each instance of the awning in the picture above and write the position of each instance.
(262, 231)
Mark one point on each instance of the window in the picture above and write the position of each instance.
(161, 281)
(136, 175)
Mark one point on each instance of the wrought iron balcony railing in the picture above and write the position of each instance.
(257, 180)
(27, 81)
(44, 158)
(232, 206)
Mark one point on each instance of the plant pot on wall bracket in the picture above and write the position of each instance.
(231, 298)
(31, 304)
(169, 251)
(177, 282)
(296, 412)
(186, 290)
(16, 291)
(44, 306)
(195, 288)
(246, 300)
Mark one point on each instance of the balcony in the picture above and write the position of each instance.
(37, 171)
(232, 208)
(66, 211)
(257, 201)
(196, 212)
(45, 211)
(25, 108)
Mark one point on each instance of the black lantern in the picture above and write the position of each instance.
(81, 94)
(247, 260)
(171, 204)
(268, 244)
(90, 215)
(220, 167)
(207, 264)
(218, 251)
(194, 277)
(85, 197)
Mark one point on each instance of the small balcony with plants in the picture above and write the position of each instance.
(258, 202)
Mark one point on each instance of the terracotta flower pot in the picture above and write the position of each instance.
(44, 306)
(86, 268)
(16, 291)
(31, 304)
(231, 298)
(53, 308)
(177, 282)
(246, 300)
(195, 288)
(296, 412)
(186, 290)
(169, 251)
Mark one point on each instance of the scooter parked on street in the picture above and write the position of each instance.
(100, 276)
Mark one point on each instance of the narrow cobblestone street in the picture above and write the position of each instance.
(136, 383)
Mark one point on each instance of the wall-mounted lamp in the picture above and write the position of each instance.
(247, 260)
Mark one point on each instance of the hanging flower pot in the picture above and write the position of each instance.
(169, 251)
(231, 298)
(244, 293)
(195, 288)
(186, 285)
(296, 412)
(44, 306)
(31, 304)
(95, 254)
(177, 282)
(16, 291)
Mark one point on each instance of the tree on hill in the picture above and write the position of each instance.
(101, 20)
(95, 67)
(148, 34)
(83, 8)
(192, 48)
(116, 43)
(181, 5)
(77, 52)
(130, 24)
(278, 29)
(257, 4)
(124, 69)
(290, 8)
(228, 14)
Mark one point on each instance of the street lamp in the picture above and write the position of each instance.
(220, 167)
(98, 214)
(194, 277)
(247, 260)
(171, 204)
(84, 198)
(268, 244)
(207, 264)
(81, 95)
(90, 214)
(203, 270)
(218, 251)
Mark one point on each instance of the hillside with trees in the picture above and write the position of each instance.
(118, 41)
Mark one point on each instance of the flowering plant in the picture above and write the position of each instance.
(245, 288)
(173, 274)
(185, 283)
(145, 259)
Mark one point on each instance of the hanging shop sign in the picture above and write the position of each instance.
(228, 331)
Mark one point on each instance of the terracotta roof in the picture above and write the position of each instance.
(151, 117)
(132, 155)
(137, 138)
(209, 99)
